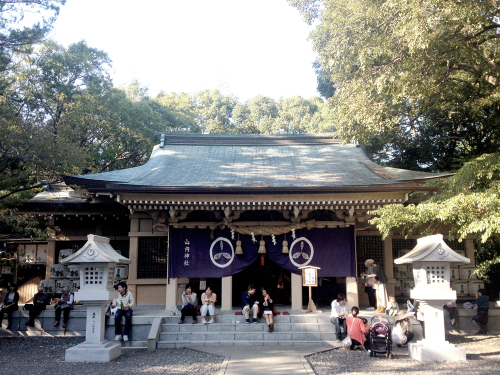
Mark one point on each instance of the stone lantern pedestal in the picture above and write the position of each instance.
(431, 260)
(97, 261)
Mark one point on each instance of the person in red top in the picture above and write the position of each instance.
(356, 329)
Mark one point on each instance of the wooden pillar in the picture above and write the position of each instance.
(296, 292)
(227, 293)
(172, 290)
(469, 250)
(352, 292)
(133, 256)
(389, 266)
(51, 255)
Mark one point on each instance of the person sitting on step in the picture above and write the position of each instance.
(10, 304)
(125, 302)
(267, 304)
(338, 315)
(249, 303)
(208, 300)
(40, 302)
(65, 304)
(189, 303)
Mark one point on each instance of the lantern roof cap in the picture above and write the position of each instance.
(432, 249)
(96, 250)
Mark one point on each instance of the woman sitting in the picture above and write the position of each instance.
(64, 305)
(356, 330)
(267, 305)
(402, 333)
(189, 303)
(208, 300)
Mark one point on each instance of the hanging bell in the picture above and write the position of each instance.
(285, 247)
(262, 247)
(239, 250)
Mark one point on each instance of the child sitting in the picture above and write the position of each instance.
(393, 307)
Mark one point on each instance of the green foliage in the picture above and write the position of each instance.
(215, 113)
(418, 82)
(466, 203)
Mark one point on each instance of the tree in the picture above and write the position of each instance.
(412, 73)
(215, 112)
(12, 36)
(466, 203)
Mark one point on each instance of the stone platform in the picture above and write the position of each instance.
(152, 327)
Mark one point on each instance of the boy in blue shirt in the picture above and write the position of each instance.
(249, 303)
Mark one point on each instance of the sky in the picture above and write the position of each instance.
(242, 47)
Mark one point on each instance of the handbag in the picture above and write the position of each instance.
(409, 307)
(347, 342)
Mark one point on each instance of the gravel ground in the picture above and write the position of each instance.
(483, 357)
(45, 355)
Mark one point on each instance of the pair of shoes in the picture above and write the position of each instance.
(370, 309)
(181, 322)
(56, 324)
(247, 321)
(211, 321)
(125, 337)
(203, 321)
(64, 325)
(272, 327)
(452, 322)
(269, 330)
(194, 321)
(254, 321)
(118, 337)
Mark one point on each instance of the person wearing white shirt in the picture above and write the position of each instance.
(125, 303)
(340, 310)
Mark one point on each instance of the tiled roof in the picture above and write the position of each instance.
(270, 162)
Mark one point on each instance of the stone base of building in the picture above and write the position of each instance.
(104, 351)
(426, 352)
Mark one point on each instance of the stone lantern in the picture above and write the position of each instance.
(431, 260)
(97, 261)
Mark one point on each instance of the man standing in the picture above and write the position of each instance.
(249, 303)
(339, 315)
(40, 301)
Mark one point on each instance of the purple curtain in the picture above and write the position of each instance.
(201, 253)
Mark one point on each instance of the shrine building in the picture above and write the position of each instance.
(229, 210)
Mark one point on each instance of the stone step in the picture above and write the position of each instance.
(135, 345)
(251, 336)
(239, 319)
(269, 342)
(238, 327)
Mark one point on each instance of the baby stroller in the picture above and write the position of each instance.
(380, 337)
